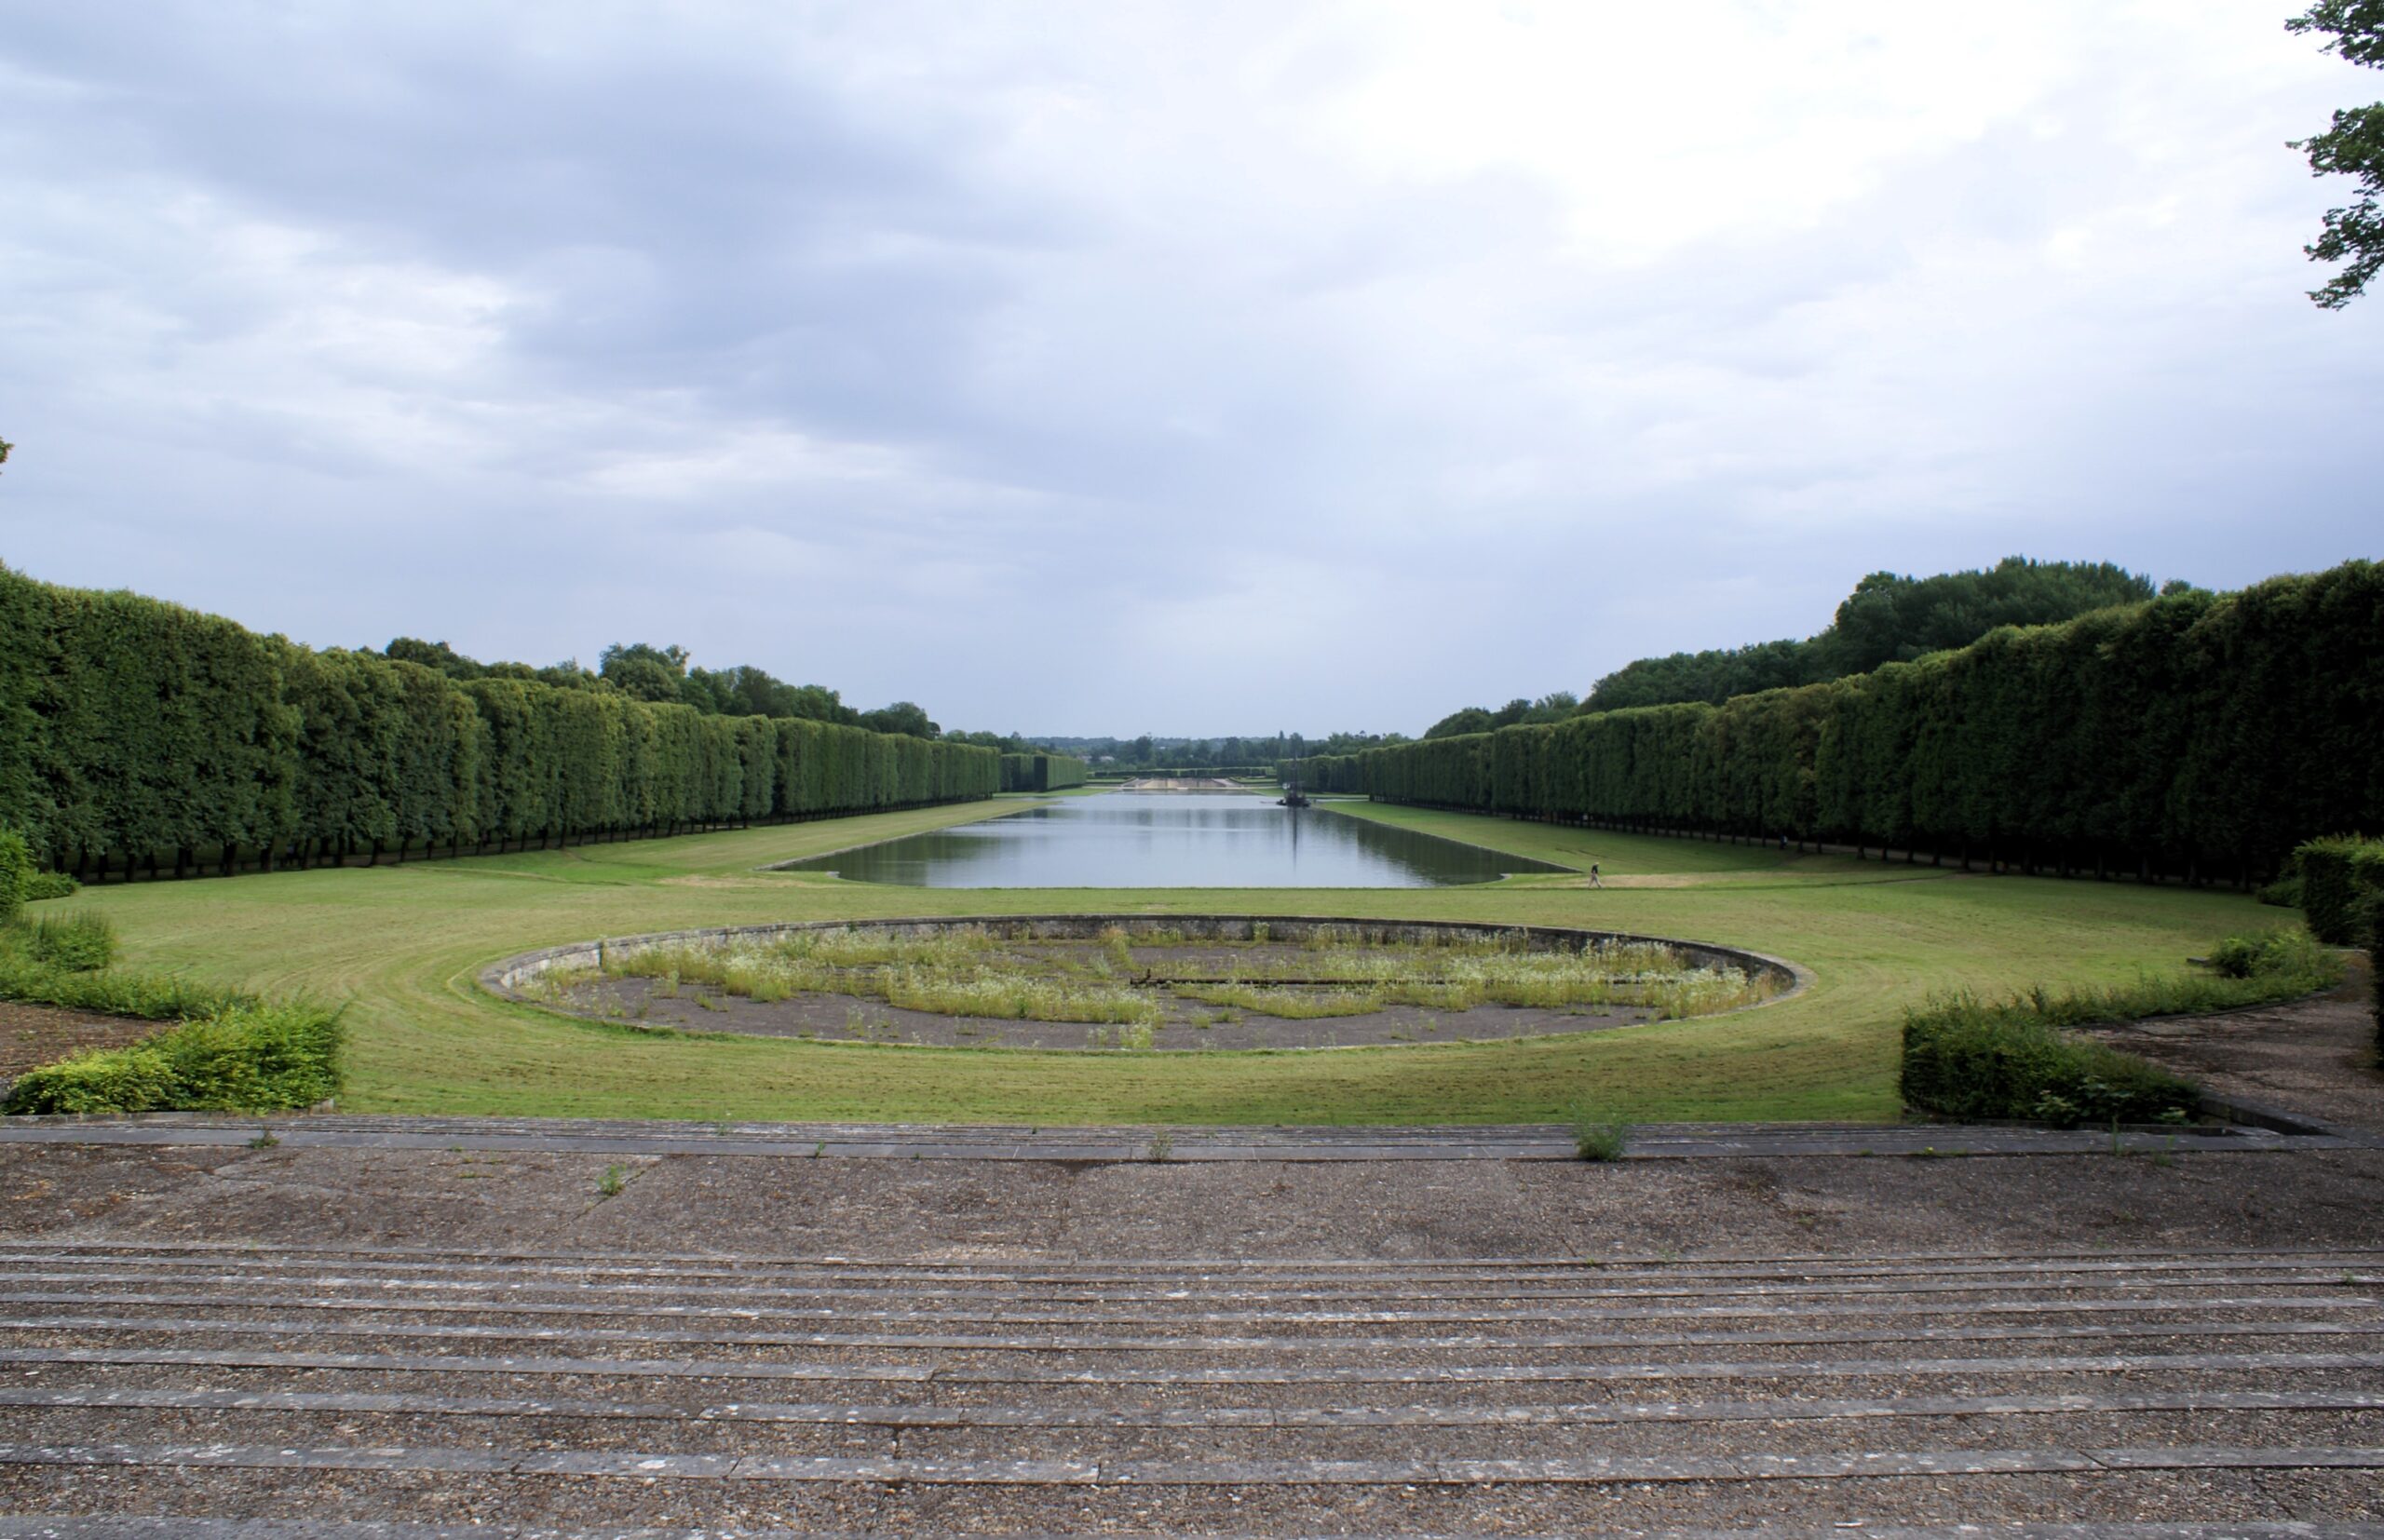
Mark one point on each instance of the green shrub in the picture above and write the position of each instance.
(1597, 1136)
(16, 873)
(2283, 893)
(111, 991)
(1964, 1056)
(134, 1079)
(2334, 873)
(248, 1057)
(79, 941)
(51, 885)
(2280, 954)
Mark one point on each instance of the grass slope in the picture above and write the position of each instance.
(404, 946)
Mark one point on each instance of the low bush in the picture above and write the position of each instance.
(2284, 955)
(50, 885)
(246, 1058)
(1964, 1056)
(134, 1079)
(78, 942)
(2283, 893)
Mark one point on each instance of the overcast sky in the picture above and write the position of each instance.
(1195, 368)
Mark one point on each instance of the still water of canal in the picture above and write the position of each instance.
(1156, 839)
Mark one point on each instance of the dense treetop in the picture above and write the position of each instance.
(1887, 619)
(1555, 706)
(661, 674)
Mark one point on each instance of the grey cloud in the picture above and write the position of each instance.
(854, 345)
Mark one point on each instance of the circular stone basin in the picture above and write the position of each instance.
(1144, 982)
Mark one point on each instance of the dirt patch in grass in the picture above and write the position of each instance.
(1190, 1027)
(43, 1034)
(2313, 1057)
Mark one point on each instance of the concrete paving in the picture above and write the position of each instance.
(1111, 1145)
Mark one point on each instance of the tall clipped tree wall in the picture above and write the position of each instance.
(136, 735)
(2198, 735)
(1042, 772)
(1321, 773)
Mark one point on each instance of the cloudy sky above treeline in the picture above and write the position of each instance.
(1116, 367)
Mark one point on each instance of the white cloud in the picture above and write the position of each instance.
(869, 343)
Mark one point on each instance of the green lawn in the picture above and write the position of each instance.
(404, 945)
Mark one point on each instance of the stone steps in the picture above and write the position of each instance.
(120, 1527)
(411, 1387)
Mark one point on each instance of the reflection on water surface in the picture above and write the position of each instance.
(1142, 839)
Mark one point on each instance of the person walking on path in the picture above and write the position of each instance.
(1593, 875)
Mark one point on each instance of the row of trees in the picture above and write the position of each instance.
(2198, 735)
(133, 731)
(1041, 772)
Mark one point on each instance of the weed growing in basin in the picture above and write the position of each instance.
(1597, 1134)
(1016, 997)
(616, 1176)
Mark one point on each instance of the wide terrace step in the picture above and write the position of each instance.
(2252, 1131)
(580, 1390)
(142, 1526)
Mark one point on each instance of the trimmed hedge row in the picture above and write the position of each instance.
(2198, 735)
(1042, 772)
(135, 730)
(2342, 879)
(1322, 772)
(2342, 896)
